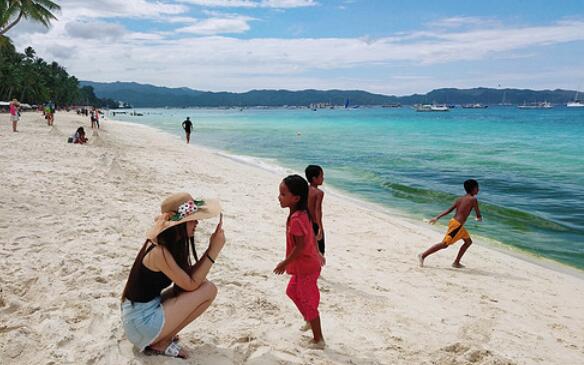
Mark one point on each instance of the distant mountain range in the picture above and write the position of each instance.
(142, 95)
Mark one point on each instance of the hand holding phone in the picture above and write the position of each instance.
(218, 237)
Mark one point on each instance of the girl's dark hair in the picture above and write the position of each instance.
(299, 187)
(80, 130)
(177, 241)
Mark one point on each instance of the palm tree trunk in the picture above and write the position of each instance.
(2, 31)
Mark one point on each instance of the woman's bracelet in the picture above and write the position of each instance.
(209, 257)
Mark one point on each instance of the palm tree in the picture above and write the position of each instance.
(36, 10)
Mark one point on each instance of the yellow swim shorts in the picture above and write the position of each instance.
(455, 232)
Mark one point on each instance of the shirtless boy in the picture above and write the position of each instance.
(315, 177)
(456, 231)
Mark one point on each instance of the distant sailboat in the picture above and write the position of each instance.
(346, 103)
(504, 101)
(538, 105)
(475, 106)
(431, 108)
(575, 103)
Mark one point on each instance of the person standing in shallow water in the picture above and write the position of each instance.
(187, 126)
(152, 316)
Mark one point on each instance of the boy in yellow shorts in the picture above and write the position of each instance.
(456, 231)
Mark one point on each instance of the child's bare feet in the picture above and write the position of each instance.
(305, 327)
(458, 265)
(320, 345)
(420, 260)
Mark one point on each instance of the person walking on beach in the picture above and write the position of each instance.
(456, 231)
(14, 113)
(96, 116)
(152, 318)
(303, 261)
(315, 177)
(187, 126)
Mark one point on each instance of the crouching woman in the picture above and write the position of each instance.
(153, 318)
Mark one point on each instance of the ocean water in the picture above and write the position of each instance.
(529, 163)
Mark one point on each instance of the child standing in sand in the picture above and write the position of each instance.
(14, 115)
(302, 258)
(315, 177)
(456, 230)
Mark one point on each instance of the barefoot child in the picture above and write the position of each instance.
(315, 177)
(456, 231)
(302, 259)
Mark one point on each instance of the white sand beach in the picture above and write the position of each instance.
(72, 219)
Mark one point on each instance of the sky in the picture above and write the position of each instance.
(382, 46)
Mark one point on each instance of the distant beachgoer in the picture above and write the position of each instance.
(152, 318)
(14, 113)
(456, 231)
(79, 136)
(315, 177)
(303, 261)
(187, 126)
(96, 116)
(52, 109)
(92, 117)
(49, 113)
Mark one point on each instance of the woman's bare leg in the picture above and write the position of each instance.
(181, 310)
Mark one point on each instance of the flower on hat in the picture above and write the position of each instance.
(187, 208)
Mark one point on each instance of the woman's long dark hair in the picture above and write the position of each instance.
(177, 241)
(299, 187)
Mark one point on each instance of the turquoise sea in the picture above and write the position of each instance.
(529, 163)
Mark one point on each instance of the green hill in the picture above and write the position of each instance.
(140, 95)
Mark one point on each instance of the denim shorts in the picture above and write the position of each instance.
(143, 322)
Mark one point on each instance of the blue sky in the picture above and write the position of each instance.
(391, 47)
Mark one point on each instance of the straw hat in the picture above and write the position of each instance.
(179, 208)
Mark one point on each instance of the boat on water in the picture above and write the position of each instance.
(576, 103)
(537, 105)
(391, 106)
(474, 106)
(431, 108)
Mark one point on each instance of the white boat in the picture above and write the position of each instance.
(538, 105)
(431, 108)
(475, 106)
(575, 103)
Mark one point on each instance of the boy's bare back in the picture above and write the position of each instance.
(315, 196)
(464, 205)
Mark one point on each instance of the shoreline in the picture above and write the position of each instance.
(72, 219)
(272, 166)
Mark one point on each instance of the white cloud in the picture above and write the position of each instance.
(95, 30)
(119, 9)
(464, 21)
(228, 63)
(217, 26)
(277, 4)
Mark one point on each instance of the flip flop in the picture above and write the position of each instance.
(172, 350)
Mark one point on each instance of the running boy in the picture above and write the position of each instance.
(315, 177)
(456, 230)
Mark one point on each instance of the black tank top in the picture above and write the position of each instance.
(148, 285)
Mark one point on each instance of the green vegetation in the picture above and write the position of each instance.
(32, 80)
(140, 95)
(12, 11)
